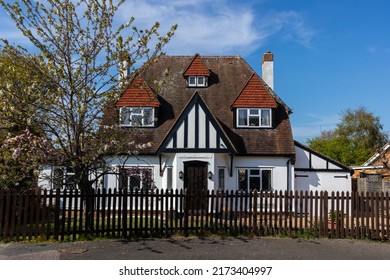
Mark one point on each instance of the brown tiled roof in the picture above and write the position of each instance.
(254, 95)
(228, 77)
(197, 68)
(138, 94)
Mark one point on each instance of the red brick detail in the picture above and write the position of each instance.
(197, 68)
(138, 94)
(254, 95)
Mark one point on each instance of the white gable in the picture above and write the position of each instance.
(196, 130)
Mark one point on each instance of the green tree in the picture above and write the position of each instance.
(79, 45)
(22, 141)
(356, 137)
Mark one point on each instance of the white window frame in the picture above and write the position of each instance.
(249, 176)
(128, 121)
(140, 175)
(197, 82)
(250, 113)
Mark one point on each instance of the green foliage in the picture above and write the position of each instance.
(356, 137)
(21, 108)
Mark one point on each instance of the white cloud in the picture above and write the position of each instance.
(217, 27)
(208, 27)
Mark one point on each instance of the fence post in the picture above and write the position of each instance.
(326, 211)
(124, 213)
(185, 200)
(255, 227)
(57, 214)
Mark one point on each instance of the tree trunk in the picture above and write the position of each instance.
(87, 196)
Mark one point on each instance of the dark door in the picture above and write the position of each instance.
(195, 181)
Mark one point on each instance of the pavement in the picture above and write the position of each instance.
(193, 248)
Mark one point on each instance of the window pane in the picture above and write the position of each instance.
(265, 117)
(255, 172)
(266, 180)
(221, 179)
(242, 117)
(254, 183)
(253, 120)
(148, 116)
(254, 112)
(169, 178)
(136, 120)
(135, 182)
(242, 179)
(124, 117)
(191, 80)
(136, 111)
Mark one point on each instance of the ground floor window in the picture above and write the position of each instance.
(169, 178)
(221, 179)
(63, 178)
(254, 179)
(136, 178)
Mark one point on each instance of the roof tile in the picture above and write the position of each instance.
(138, 94)
(254, 95)
(197, 68)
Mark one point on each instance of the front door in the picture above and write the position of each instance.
(195, 180)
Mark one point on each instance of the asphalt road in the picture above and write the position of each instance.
(211, 248)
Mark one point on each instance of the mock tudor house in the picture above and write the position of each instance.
(211, 122)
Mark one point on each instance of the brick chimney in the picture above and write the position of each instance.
(268, 69)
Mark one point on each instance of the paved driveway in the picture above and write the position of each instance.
(211, 248)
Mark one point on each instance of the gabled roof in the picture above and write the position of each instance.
(373, 160)
(254, 95)
(228, 77)
(138, 94)
(197, 68)
(327, 163)
(199, 132)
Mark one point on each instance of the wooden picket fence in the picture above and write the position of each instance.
(62, 214)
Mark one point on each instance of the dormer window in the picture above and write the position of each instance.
(137, 116)
(197, 81)
(254, 117)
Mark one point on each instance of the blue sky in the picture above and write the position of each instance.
(329, 55)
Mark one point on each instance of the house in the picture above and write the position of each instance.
(211, 122)
(374, 174)
(317, 172)
(377, 164)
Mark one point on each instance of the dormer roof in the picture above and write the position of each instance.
(254, 95)
(197, 68)
(138, 94)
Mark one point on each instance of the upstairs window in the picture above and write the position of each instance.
(137, 116)
(254, 118)
(197, 81)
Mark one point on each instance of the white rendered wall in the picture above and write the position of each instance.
(322, 181)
